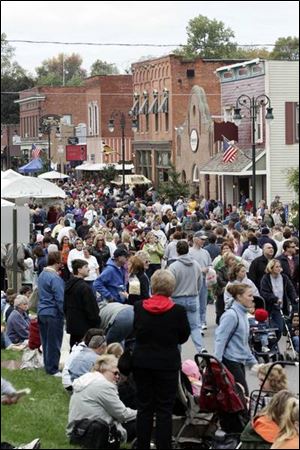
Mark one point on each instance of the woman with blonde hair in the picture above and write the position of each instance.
(138, 282)
(156, 252)
(289, 428)
(100, 251)
(265, 428)
(279, 294)
(115, 349)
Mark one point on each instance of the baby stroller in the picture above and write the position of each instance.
(258, 397)
(223, 397)
(291, 354)
(255, 339)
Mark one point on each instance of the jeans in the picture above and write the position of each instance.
(191, 305)
(51, 331)
(122, 326)
(156, 393)
(277, 322)
(203, 301)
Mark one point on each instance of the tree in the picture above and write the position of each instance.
(108, 174)
(248, 53)
(173, 188)
(293, 182)
(61, 69)
(13, 79)
(103, 68)
(286, 48)
(208, 39)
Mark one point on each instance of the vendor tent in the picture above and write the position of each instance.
(30, 187)
(10, 175)
(97, 167)
(53, 175)
(35, 165)
(5, 203)
(132, 180)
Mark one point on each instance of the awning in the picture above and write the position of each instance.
(35, 165)
(30, 187)
(132, 180)
(10, 175)
(53, 175)
(135, 108)
(164, 106)
(144, 107)
(241, 166)
(97, 167)
(154, 106)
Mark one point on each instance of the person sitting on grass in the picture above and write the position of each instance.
(18, 322)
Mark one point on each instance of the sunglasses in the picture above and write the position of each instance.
(116, 373)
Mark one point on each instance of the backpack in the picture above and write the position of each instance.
(34, 340)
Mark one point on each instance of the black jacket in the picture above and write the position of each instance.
(286, 269)
(257, 270)
(145, 289)
(102, 256)
(289, 293)
(80, 307)
(158, 337)
(267, 240)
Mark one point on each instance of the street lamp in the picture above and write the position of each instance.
(253, 104)
(111, 128)
(47, 123)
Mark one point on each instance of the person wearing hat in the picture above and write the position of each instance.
(111, 282)
(265, 239)
(17, 327)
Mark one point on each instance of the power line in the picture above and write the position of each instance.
(119, 44)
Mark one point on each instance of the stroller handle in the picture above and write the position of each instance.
(205, 356)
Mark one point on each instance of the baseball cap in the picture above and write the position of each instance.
(200, 235)
(47, 230)
(120, 252)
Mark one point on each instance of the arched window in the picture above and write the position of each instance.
(195, 174)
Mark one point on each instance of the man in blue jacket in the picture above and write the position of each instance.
(51, 313)
(111, 282)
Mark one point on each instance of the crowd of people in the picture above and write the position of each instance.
(132, 276)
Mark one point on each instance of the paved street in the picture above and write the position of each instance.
(188, 352)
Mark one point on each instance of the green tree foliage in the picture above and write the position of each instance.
(248, 53)
(208, 39)
(108, 174)
(50, 73)
(173, 188)
(293, 182)
(103, 68)
(13, 79)
(286, 48)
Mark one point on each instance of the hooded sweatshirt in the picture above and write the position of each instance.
(252, 252)
(160, 326)
(260, 433)
(188, 274)
(96, 398)
(80, 307)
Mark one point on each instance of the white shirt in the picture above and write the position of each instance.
(74, 254)
(93, 266)
(64, 232)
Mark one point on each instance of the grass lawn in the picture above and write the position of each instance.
(42, 414)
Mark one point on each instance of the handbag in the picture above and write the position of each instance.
(94, 434)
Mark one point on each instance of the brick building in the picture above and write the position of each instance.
(163, 88)
(89, 106)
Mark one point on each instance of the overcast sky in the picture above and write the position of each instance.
(141, 22)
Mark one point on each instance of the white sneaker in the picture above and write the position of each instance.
(204, 326)
(57, 374)
(265, 349)
(33, 444)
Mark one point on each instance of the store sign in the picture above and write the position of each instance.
(76, 153)
(194, 140)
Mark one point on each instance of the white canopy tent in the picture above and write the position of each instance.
(133, 180)
(5, 203)
(97, 167)
(53, 175)
(30, 187)
(10, 175)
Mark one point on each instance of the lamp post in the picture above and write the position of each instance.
(253, 104)
(111, 128)
(47, 123)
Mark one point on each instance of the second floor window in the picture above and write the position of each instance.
(93, 119)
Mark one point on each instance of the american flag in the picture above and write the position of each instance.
(229, 151)
(35, 151)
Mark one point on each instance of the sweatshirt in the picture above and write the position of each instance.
(252, 252)
(96, 398)
(51, 293)
(111, 282)
(188, 276)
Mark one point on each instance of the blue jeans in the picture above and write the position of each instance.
(203, 301)
(122, 326)
(191, 305)
(51, 331)
(277, 322)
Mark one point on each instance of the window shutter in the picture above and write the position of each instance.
(289, 123)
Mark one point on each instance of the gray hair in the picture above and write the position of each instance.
(20, 300)
(97, 341)
(52, 248)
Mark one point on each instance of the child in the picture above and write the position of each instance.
(190, 369)
(260, 323)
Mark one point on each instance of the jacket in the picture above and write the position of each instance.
(289, 293)
(96, 398)
(158, 335)
(111, 282)
(252, 252)
(259, 434)
(155, 251)
(237, 348)
(108, 311)
(266, 239)
(82, 362)
(50, 293)
(143, 290)
(102, 255)
(286, 268)
(188, 275)
(17, 327)
(66, 378)
(257, 270)
(80, 307)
